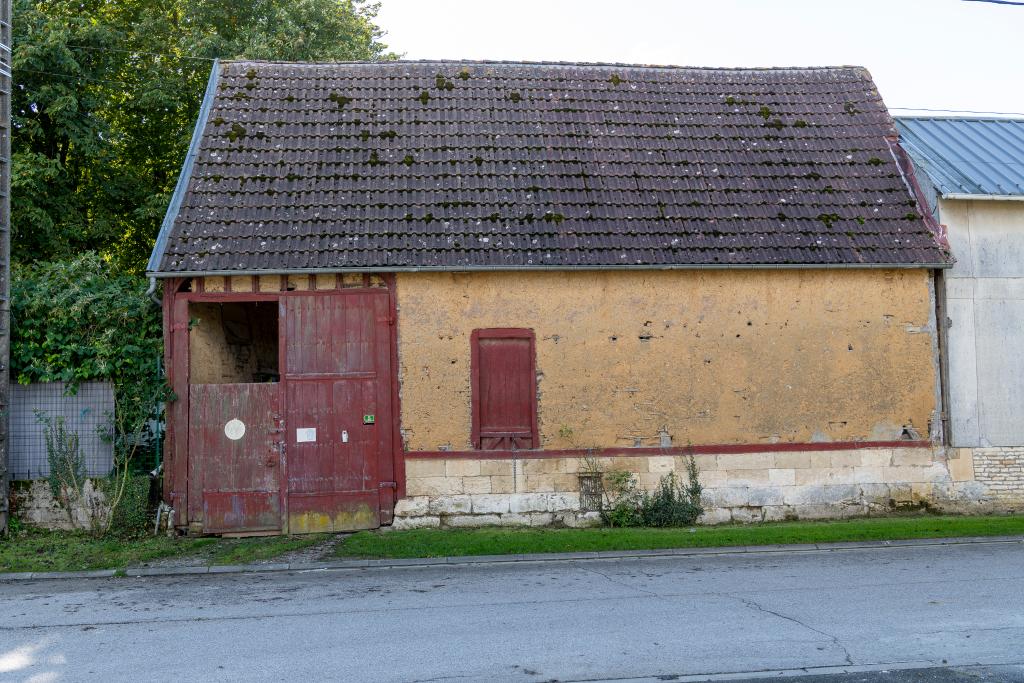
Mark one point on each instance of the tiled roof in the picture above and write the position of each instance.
(967, 156)
(461, 165)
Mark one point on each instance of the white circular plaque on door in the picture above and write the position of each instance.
(234, 429)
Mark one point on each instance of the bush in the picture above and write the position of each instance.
(79, 320)
(132, 515)
(67, 464)
(672, 503)
(624, 500)
(118, 504)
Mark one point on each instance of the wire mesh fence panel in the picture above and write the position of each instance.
(87, 413)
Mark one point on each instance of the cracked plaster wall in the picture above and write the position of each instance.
(713, 356)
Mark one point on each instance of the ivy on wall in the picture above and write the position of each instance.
(79, 320)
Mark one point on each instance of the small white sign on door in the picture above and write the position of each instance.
(234, 429)
(305, 434)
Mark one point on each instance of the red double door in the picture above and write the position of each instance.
(316, 452)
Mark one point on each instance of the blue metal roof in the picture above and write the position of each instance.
(967, 156)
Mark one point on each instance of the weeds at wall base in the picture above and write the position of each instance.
(671, 504)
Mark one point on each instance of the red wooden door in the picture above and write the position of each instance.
(338, 416)
(234, 458)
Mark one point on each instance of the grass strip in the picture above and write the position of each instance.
(502, 541)
(31, 549)
(39, 550)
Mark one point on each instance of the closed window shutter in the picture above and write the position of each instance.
(504, 390)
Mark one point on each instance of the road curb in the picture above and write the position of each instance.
(139, 572)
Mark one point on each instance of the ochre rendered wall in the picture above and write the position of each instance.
(712, 357)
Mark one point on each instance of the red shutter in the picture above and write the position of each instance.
(504, 389)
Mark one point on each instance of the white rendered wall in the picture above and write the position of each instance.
(985, 301)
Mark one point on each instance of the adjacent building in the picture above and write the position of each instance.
(972, 173)
(429, 293)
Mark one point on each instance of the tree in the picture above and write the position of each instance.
(61, 145)
(106, 95)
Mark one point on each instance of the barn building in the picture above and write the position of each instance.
(429, 293)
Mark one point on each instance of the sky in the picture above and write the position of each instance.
(923, 54)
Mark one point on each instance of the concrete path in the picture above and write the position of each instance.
(918, 609)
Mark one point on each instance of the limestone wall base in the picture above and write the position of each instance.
(752, 487)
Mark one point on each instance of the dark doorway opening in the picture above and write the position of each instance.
(233, 343)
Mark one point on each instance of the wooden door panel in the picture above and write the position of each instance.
(236, 476)
(337, 366)
(330, 335)
(506, 385)
(504, 382)
(355, 459)
(310, 466)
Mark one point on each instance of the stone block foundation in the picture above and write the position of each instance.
(33, 503)
(745, 487)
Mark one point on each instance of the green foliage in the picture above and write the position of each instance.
(247, 550)
(61, 145)
(79, 320)
(132, 515)
(67, 464)
(503, 540)
(106, 96)
(31, 549)
(671, 504)
(625, 500)
(122, 506)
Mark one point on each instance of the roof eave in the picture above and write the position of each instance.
(986, 197)
(471, 269)
(186, 171)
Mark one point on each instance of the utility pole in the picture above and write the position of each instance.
(5, 259)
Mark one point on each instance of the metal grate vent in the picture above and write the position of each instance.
(591, 491)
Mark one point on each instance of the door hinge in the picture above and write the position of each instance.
(388, 485)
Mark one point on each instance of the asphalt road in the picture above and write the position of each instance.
(930, 613)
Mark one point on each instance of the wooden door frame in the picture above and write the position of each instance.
(177, 358)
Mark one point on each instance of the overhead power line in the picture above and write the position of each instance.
(75, 76)
(140, 52)
(999, 2)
